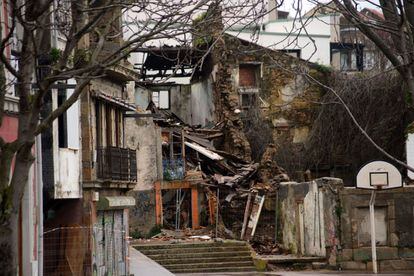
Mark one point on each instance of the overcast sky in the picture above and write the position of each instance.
(291, 5)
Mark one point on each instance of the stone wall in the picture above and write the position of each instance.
(286, 100)
(394, 217)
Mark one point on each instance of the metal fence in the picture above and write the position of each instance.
(82, 250)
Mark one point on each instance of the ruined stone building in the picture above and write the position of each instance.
(242, 96)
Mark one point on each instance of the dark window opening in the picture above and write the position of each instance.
(248, 100)
(62, 121)
(98, 124)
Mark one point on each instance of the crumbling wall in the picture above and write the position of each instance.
(144, 136)
(287, 100)
(394, 215)
(202, 103)
(180, 99)
(308, 221)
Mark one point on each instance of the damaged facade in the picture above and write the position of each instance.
(202, 151)
(201, 123)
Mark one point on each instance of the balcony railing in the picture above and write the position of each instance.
(116, 164)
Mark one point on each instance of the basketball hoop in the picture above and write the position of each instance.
(377, 175)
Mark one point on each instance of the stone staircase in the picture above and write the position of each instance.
(195, 257)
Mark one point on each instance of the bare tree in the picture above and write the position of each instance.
(398, 23)
(94, 42)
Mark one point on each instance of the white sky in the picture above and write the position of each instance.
(290, 5)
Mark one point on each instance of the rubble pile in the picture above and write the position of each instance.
(238, 185)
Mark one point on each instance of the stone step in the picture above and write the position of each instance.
(175, 267)
(188, 245)
(289, 259)
(198, 260)
(203, 255)
(226, 256)
(176, 251)
(215, 270)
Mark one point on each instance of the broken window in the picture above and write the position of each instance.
(161, 99)
(172, 156)
(249, 76)
(248, 100)
(62, 121)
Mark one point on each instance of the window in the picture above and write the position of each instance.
(249, 83)
(292, 52)
(369, 60)
(161, 99)
(249, 75)
(248, 100)
(109, 125)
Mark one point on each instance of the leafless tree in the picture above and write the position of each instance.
(93, 42)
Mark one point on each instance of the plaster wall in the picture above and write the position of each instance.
(292, 34)
(317, 51)
(144, 136)
(202, 102)
(409, 144)
(142, 97)
(308, 221)
(180, 98)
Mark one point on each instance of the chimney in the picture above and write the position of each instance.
(272, 10)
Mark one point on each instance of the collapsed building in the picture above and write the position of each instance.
(208, 152)
(191, 137)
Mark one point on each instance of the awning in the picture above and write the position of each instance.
(113, 100)
(206, 152)
(115, 202)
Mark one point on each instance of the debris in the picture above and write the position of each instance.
(255, 214)
(205, 237)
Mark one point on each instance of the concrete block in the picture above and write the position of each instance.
(383, 253)
(391, 211)
(345, 255)
(353, 265)
(406, 252)
(393, 265)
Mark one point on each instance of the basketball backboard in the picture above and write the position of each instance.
(379, 175)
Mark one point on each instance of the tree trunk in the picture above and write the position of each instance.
(9, 246)
(11, 197)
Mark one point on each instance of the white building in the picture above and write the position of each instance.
(307, 38)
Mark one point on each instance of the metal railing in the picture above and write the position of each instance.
(115, 163)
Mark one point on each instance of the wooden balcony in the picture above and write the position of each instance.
(116, 164)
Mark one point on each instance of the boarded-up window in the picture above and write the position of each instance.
(364, 226)
(248, 75)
